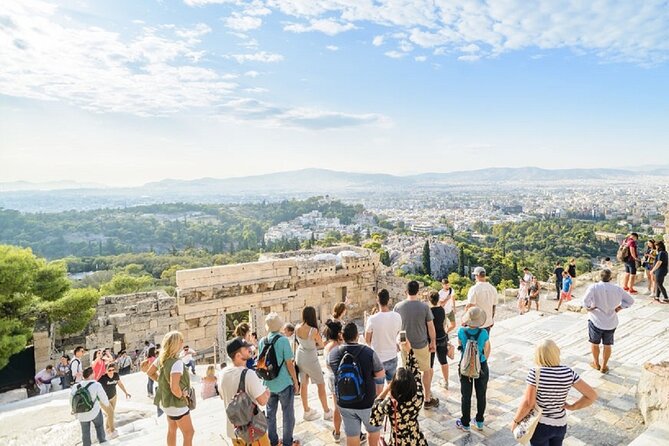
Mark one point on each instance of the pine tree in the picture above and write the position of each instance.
(427, 269)
(462, 259)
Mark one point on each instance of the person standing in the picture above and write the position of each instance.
(417, 322)
(484, 296)
(306, 358)
(173, 380)
(381, 333)
(109, 381)
(333, 338)
(98, 397)
(187, 357)
(447, 301)
(649, 258)
(474, 331)
(124, 363)
(358, 412)
(284, 387)
(558, 278)
(660, 271)
(630, 262)
(63, 372)
(442, 344)
(43, 379)
(144, 367)
(99, 365)
(567, 287)
(548, 386)
(239, 351)
(535, 290)
(76, 368)
(604, 300)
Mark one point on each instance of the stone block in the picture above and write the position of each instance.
(652, 394)
(195, 333)
(147, 306)
(117, 319)
(167, 303)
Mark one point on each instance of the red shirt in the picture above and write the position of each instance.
(631, 244)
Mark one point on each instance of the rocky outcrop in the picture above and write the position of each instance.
(406, 254)
(652, 393)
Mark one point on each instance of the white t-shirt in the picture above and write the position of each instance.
(229, 384)
(97, 394)
(445, 296)
(484, 296)
(177, 367)
(45, 376)
(384, 327)
(76, 367)
(187, 357)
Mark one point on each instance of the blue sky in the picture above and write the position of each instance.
(128, 92)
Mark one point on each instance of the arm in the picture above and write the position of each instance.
(174, 384)
(656, 266)
(318, 339)
(526, 405)
(379, 376)
(120, 384)
(153, 371)
(433, 335)
(262, 399)
(588, 396)
(368, 337)
(290, 365)
(486, 350)
(627, 300)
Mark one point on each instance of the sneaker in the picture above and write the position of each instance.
(633, 291)
(113, 435)
(432, 403)
(311, 415)
(459, 425)
(328, 415)
(336, 436)
(479, 425)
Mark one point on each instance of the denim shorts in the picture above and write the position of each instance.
(390, 367)
(630, 267)
(353, 418)
(599, 336)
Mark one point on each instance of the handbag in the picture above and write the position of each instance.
(191, 401)
(382, 440)
(525, 429)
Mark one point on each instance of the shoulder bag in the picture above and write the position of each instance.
(525, 429)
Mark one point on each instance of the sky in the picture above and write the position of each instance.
(132, 91)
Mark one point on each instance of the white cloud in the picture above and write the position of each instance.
(256, 90)
(469, 58)
(261, 56)
(405, 46)
(395, 54)
(325, 26)
(471, 48)
(420, 58)
(252, 73)
(240, 22)
(377, 41)
(332, 48)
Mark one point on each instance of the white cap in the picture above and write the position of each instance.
(479, 271)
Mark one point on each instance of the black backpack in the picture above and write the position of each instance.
(349, 382)
(268, 366)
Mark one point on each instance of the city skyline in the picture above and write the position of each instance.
(135, 92)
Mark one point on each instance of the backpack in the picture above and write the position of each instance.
(250, 422)
(268, 366)
(349, 384)
(623, 252)
(82, 401)
(470, 363)
(69, 375)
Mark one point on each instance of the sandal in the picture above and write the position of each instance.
(594, 366)
(604, 369)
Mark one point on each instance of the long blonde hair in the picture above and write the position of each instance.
(170, 346)
(547, 354)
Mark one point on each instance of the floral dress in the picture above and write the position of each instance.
(408, 432)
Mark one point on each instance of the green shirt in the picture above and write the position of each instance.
(283, 353)
(164, 396)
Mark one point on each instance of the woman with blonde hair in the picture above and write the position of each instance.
(550, 394)
(209, 389)
(173, 383)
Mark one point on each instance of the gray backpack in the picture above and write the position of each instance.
(243, 413)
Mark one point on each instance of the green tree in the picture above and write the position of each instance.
(427, 267)
(71, 313)
(123, 283)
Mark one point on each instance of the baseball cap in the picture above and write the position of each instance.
(479, 271)
(235, 345)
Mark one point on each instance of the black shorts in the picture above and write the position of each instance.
(441, 354)
(630, 267)
(599, 336)
(179, 417)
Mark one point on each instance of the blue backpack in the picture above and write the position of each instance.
(349, 383)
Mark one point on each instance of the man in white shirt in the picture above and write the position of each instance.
(76, 368)
(604, 300)
(98, 396)
(381, 334)
(43, 379)
(484, 296)
(239, 352)
(187, 357)
(447, 301)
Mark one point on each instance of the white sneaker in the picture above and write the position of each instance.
(311, 415)
(328, 415)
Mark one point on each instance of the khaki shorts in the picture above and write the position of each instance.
(422, 356)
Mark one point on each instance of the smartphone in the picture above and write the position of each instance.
(403, 336)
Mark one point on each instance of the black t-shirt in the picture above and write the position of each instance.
(558, 273)
(365, 360)
(109, 384)
(439, 319)
(662, 257)
(572, 270)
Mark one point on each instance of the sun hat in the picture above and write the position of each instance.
(474, 317)
(273, 322)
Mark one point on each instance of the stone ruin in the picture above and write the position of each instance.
(283, 283)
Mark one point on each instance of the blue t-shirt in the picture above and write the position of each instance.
(283, 353)
(566, 284)
(483, 337)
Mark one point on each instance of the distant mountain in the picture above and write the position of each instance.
(51, 185)
(496, 174)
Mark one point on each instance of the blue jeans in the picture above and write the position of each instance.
(149, 387)
(99, 430)
(546, 435)
(191, 364)
(286, 398)
(390, 368)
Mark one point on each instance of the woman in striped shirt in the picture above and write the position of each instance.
(555, 381)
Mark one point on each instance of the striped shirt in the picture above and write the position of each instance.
(554, 386)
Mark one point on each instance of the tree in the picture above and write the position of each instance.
(384, 257)
(71, 313)
(461, 261)
(124, 283)
(427, 268)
